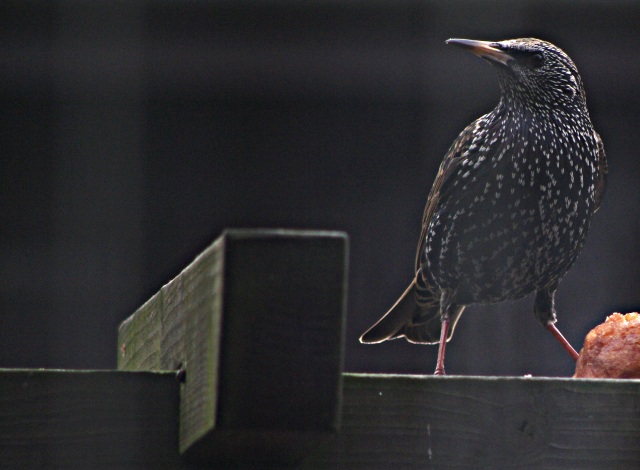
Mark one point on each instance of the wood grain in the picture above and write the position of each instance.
(485, 422)
(108, 419)
(88, 419)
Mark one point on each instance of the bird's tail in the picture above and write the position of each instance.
(417, 323)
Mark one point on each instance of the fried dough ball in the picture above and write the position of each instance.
(612, 349)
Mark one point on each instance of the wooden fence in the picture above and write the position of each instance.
(237, 362)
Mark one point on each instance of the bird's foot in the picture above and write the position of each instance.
(439, 371)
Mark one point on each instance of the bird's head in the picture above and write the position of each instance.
(531, 71)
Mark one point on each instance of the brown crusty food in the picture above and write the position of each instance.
(612, 349)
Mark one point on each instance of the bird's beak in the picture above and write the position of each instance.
(486, 50)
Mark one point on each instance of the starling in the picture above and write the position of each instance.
(512, 202)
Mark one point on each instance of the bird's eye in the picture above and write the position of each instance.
(536, 60)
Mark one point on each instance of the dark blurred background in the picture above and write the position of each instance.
(132, 133)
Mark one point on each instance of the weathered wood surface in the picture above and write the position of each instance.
(484, 422)
(257, 322)
(88, 419)
(129, 420)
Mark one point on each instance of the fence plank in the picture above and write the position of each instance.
(110, 419)
(484, 422)
(257, 323)
(88, 419)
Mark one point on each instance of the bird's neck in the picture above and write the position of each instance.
(513, 106)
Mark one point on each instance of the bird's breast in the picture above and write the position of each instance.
(516, 214)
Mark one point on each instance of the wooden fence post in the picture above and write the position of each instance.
(256, 322)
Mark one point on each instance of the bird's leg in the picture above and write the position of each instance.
(545, 311)
(444, 332)
(563, 341)
(446, 298)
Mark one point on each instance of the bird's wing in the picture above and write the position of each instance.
(603, 171)
(449, 164)
(421, 323)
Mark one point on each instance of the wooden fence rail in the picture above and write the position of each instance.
(237, 362)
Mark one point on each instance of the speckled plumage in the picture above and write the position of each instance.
(511, 205)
